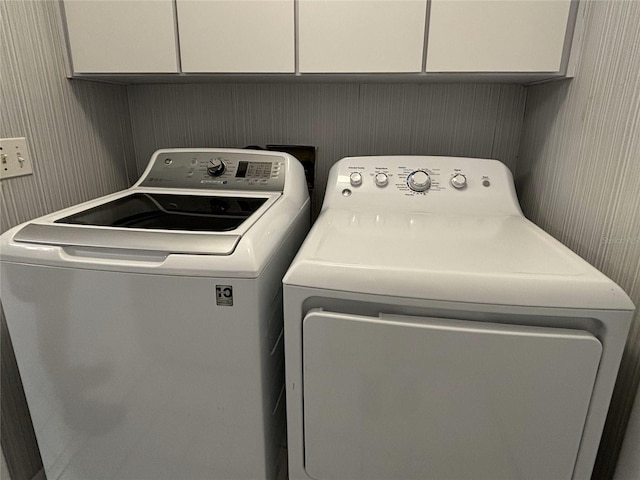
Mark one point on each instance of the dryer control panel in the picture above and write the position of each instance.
(216, 169)
(422, 183)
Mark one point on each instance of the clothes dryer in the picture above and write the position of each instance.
(433, 332)
(147, 324)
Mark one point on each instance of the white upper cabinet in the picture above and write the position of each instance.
(236, 36)
(361, 36)
(107, 36)
(523, 40)
(496, 36)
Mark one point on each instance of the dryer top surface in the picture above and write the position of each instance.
(469, 244)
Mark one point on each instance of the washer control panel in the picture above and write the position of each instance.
(219, 170)
(445, 183)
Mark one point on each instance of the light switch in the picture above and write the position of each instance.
(14, 158)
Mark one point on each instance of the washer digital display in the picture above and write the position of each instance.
(253, 169)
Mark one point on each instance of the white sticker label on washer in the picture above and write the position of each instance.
(224, 295)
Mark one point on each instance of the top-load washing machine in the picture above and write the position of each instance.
(432, 332)
(147, 324)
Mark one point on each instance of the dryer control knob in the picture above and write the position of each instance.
(459, 180)
(216, 167)
(356, 179)
(419, 181)
(381, 179)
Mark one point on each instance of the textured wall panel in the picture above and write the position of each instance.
(340, 119)
(79, 137)
(78, 132)
(579, 170)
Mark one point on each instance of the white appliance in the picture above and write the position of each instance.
(147, 324)
(432, 332)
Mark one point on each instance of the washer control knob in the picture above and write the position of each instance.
(216, 167)
(356, 179)
(381, 179)
(459, 181)
(419, 181)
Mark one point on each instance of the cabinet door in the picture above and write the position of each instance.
(107, 36)
(231, 36)
(496, 36)
(361, 36)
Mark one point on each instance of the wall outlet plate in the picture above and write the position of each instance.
(14, 158)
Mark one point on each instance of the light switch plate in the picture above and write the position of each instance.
(14, 158)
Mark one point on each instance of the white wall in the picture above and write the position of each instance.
(579, 170)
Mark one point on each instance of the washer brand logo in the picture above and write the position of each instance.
(224, 295)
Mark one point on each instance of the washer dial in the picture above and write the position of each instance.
(419, 181)
(216, 167)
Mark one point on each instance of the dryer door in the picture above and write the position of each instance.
(404, 398)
